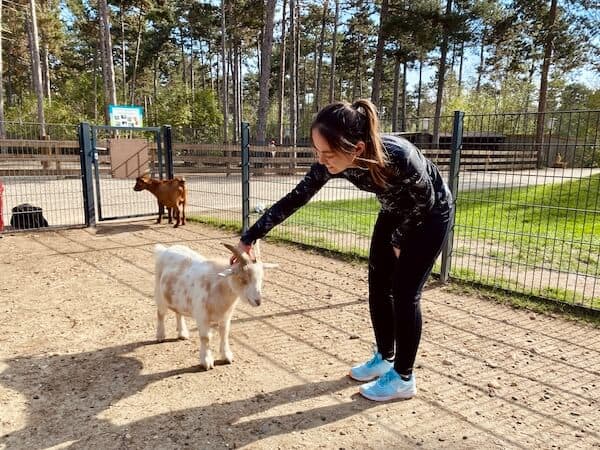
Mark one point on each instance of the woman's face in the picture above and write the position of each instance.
(335, 160)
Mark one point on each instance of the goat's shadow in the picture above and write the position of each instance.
(66, 394)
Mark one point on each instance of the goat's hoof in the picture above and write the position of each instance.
(227, 357)
(208, 363)
(183, 336)
(160, 339)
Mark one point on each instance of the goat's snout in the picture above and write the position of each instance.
(254, 301)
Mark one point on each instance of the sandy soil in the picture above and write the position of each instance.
(79, 367)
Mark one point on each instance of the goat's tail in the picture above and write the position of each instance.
(180, 179)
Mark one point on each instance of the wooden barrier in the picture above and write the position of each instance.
(24, 157)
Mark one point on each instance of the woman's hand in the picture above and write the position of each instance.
(243, 248)
(396, 251)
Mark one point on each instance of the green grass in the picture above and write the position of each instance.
(555, 226)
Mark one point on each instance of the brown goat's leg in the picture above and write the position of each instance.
(170, 211)
(183, 213)
(176, 214)
(161, 211)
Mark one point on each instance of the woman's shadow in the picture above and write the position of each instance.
(66, 394)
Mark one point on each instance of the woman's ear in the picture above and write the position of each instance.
(359, 149)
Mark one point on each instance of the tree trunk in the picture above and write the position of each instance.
(240, 78)
(2, 126)
(481, 60)
(192, 79)
(123, 70)
(320, 64)
(265, 72)
(138, 45)
(109, 67)
(224, 72)
(46, 73)
(36, 69)
(154, 89)
(396, 93)
(293, 74)
(315, 69)
(404, 96)
(548, 49)
(460, 66)
(282, 54)
(420, 85)
(236, 86)
(183, 65)
(334, 52)
(441, 79)
(378, 68)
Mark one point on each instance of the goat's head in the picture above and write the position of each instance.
(141, 182)
(246, 276)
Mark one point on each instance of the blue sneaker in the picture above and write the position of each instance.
(371, 369)
(388, 387)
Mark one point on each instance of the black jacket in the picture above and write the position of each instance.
(415, 191)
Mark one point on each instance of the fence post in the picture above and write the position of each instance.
(86, 157)
(168, 141)
(455, 147)
(245, 132)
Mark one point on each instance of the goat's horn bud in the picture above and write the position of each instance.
(242, 256)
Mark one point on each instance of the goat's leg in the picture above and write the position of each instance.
(161, 311)
(176, 214)
(183, 213)
(182, 331)
(224, 327)
(206, 358)
(170, 212)
(161, 211)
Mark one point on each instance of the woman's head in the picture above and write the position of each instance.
(346, 135)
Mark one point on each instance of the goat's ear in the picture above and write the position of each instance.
(226, 272)
(270, 265)
(257, 250)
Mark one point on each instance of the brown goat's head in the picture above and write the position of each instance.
(246, 276)
(141, 183)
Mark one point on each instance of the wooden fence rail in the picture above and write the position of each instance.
(19, 157)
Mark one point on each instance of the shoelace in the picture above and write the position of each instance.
(386, 378)
(374, 360)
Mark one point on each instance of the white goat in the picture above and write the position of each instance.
(207, 290)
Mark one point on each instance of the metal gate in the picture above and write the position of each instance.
(111, 159)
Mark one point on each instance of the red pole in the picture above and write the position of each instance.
(1, 221)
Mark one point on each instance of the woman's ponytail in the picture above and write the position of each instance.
(373, 145)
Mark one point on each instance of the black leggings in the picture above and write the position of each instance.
(395, 285)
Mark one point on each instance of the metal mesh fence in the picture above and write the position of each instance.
(527, 207)
(527, 212)
(528, 219)
(213, 177)
(41, 178)
(115, 174)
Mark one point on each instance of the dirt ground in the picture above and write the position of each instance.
(79, 367)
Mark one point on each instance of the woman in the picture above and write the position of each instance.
(409, 233)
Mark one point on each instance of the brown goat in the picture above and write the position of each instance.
(169, 193)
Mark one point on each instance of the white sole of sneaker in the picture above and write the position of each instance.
(355, 378)
(403, 396)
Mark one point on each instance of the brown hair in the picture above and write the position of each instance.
(343, 125)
